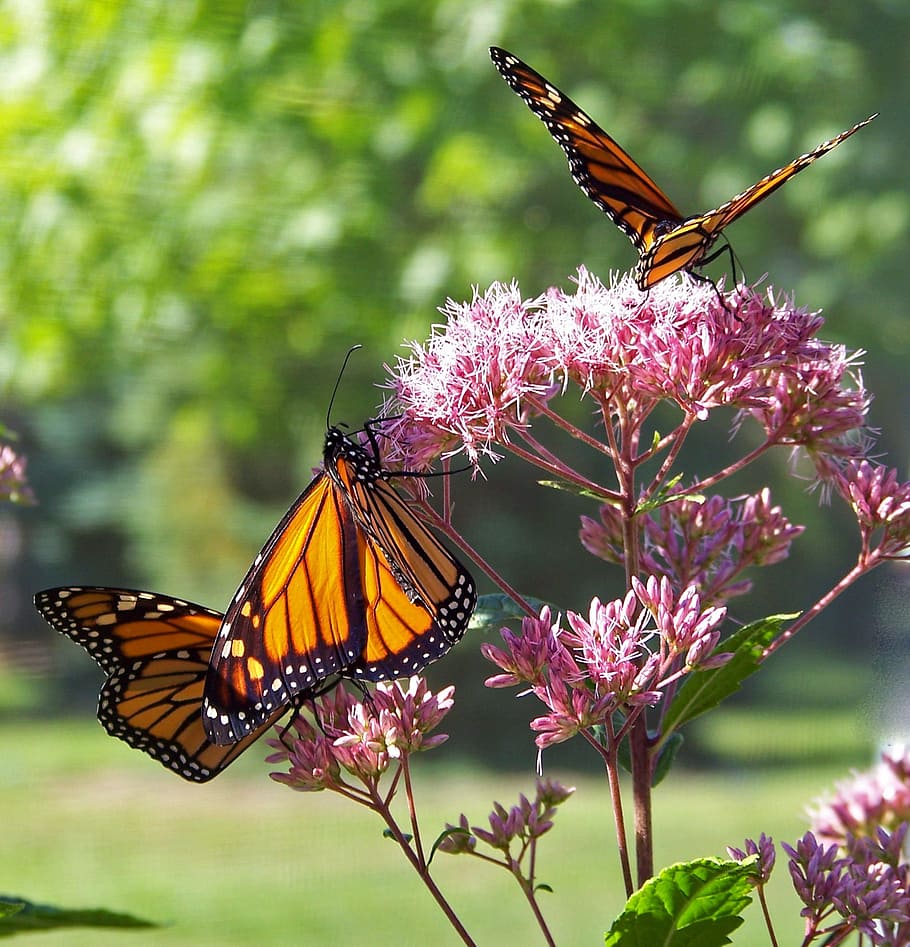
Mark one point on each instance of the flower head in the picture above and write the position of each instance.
(500, 358)
(704, 542)
(879, 500)
(612, 647)
(764, 849)
(526, 821)
(362, 738)
(618, 657)
(528, 654)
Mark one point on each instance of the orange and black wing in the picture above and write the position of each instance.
(686, 244)
(599, 165)
(667, 243)
(326, 596)
(155, 651)
(420, 597)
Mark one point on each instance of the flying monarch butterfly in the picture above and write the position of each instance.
(666, 241)
(351, 582)
(155, 651)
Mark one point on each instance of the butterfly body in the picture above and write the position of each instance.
(667, 240)
(155, 651)
(351, 583)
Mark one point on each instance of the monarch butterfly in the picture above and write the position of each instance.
(351, 582)
(155, 651)
(666, 241)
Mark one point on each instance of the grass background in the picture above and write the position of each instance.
(90, 823)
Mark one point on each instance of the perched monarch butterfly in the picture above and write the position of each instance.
(155, 651)
(666, 241)
(351, 582)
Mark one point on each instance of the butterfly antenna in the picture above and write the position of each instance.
(344, 365)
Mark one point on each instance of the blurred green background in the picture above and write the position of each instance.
(203, 205)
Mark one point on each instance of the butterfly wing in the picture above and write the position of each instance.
(420, 597)
(155, 651)
(685, 245)
(327, 596)
(599, 165)
(295, 620)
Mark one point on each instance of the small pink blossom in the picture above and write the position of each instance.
(612, 648)
(528, 654)
(526, 822)
(866, 886)
(13, 479)
(573, 708)
(764, 849)
(684, 627)
(410, 710)
(879, 500)
(312, 765)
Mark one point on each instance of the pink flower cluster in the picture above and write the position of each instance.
(864, 890)
(500, 358)
(360, 738)
(861, 885)
(525, 822)
(880, 501)
(867, 801)
(622, 656)
(707, 543)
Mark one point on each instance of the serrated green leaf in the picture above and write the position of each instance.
(29, 917)
(496, 609)
(703, 690)
(694, 904)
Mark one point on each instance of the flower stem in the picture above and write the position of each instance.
(849, 578)
(528, 888)
(421, 870)
(560, 470)
(608, 753)
(447, 530)
(767, 914)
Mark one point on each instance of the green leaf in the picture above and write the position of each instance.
(28, 917)
(665, 756)
(388, 833)
(666, 495)
(578, 490)
(703, 690)
(496, 609)
(697, 903)
(447, 833)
